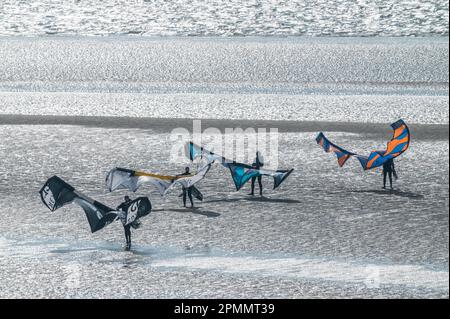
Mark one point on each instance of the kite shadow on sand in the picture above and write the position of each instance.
(255, 199)
(395, 192)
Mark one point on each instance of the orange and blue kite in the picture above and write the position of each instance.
(395, 147)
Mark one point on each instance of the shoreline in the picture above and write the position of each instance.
(165, 125)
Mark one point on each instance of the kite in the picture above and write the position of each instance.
(56, 193)
(241, 173)
(122, 178)
(395, 147)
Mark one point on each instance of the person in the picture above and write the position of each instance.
(124, 207)
(187, 191)
(389, 170)
(257, 164)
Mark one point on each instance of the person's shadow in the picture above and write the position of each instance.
(395, 192)
(255, 199)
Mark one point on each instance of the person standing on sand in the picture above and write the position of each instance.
(127, 227)
(187, 191)
(389, 169)
(257, 164)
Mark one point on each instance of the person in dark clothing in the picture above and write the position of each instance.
(389, 170)
(187, 192)
(257, 164)
(124, 207)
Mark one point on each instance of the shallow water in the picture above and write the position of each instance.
(224, 18)
(345, 80)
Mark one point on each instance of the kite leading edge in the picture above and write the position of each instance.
(395, 147)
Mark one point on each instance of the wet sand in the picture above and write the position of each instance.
(161, 125)
(327, 232)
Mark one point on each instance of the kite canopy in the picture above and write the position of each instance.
(241, 173)
(395, 147)
(135, 209)
(121, 178)
(56, 193)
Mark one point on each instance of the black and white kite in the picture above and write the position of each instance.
(56, 193)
